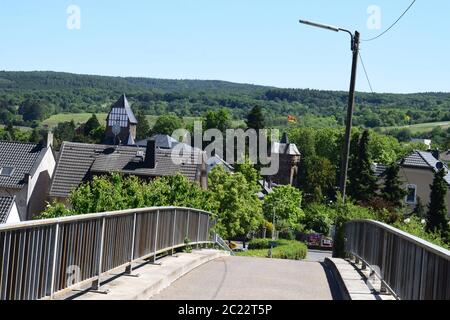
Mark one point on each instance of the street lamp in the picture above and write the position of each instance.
(351, 99)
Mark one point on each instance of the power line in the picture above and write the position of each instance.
(365, 71)
(396, 21)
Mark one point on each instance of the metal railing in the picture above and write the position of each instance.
(409, 267)
(41, 258)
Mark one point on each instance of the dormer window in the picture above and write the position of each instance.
(6, 171)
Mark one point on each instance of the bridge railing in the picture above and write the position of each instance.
(410, 267)
(41, 258)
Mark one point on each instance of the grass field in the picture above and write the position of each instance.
(83, 117)
(421, 127)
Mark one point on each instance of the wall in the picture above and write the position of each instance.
(13, 215)
(39, 185)
(423, 179)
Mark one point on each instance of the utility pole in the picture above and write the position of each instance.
(273, 233)
(355, 40)
(348, 129)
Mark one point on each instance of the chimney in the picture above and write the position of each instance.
(49, 140)
(203, 173)
(150, 154)
(436, 153)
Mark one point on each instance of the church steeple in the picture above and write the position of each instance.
(121, 123)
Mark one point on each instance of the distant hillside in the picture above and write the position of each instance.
(33, 96)
(48, 80)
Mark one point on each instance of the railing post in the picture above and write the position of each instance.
(187, 225)
(156, 237)
(96, 283)
(173, 230)
(207, 229)
(129, 268)
(198, 228)
(55, 254)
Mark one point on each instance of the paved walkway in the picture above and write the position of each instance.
(246, 278)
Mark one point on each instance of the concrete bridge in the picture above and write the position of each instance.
(130, 254)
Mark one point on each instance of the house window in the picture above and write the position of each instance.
(6, 171)
(411, 195)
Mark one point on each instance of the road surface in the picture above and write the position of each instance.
(318, 255)
(246, 278)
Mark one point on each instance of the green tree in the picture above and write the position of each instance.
(255, 119)
(217, 119)
(392, 190)
(64, 131)
(251, 174)
(320, 179)
(116, 192)
(304, 139)
(419, 210)
(167, 124)
(437, 220)
(91, 124)
(285, 202)
(32, 110)
(238, 208)
(143, 127)
(362, 180)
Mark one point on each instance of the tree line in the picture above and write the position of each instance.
(27, 98)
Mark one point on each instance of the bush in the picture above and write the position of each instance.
(293, 250)
(318, 219)
(259, 244)
(283, 249)
(287, 234)
(414, 226)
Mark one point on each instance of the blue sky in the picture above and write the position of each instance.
(249, 41)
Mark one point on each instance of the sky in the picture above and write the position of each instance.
(245, 41)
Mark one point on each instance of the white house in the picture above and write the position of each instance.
(26, 170)
(8, 210)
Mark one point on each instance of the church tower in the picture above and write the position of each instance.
(121, 123)
(289, 158)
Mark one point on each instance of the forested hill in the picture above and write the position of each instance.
(33, 96)
(48, 80)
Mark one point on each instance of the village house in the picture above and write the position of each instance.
(417, 172)
(80, 162)
(8, 210)
(26, 170)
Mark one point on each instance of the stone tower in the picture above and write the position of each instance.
(289, 160)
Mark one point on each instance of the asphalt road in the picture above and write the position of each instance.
(317, 255)
(246, 278)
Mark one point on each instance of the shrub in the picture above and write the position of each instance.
(283, 249)
(294, 250)
(414, 226)
(318, 219)
(259, 244)
(287, 234)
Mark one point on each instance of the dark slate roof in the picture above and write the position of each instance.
(379, 169)
(78, 160)
(23, 157)
(123, 103)
(6, 204)
(425, 160)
